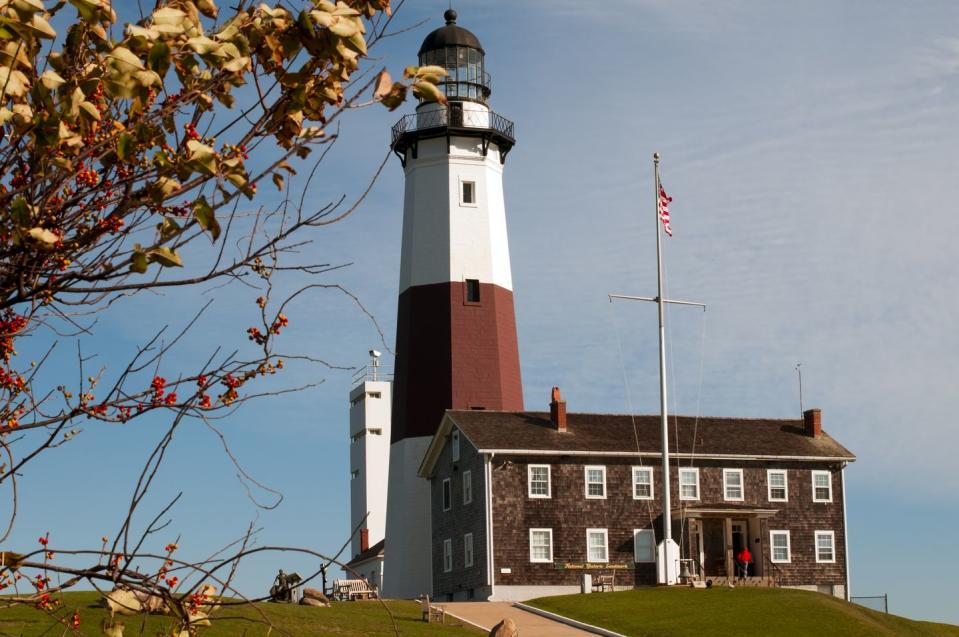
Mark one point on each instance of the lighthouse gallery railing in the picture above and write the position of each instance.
(453, 118)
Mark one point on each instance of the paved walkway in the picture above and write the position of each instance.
(488, 614)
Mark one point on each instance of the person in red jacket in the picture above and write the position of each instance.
(744, 559)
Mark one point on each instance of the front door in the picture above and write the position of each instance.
(714, 546)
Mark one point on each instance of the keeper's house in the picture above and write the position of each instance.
(523, 503)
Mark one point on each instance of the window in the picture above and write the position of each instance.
(644, 545)
(825, 546)
(821, 486)
(541, 545)
(447, 494)
(354, 474)
(356, 401)
(596, 545)
(374, 394)
(359, 434)
(455, 445)
(689, 484)
(595, 482)
(468, 192)
(467, 487)
(539, 481)
(472, 291)
(733, 484)
(642, 483)
(778, 487)
(447, 556)
(779, 541)
(468, 549)
(376, 432)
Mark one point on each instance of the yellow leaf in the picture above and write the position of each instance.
(90, 110)
(147, 33)
(432, 69)
(43, 236)
(237, 64)
(345, 28)
(383, 85)
(14, 83)
(202, 156)
(204, 45)
(169, 20)
(166, 257)
(51, 79)
(206, 217)
(124, 60)
(429, 92)
(41, 27)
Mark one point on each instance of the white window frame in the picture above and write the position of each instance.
(467, 487)
(832, 544)
(648, 470)
(742, 486)
(636, 534)
(447, 486)
(772, 547)
(769, 485)
(468, 550)
(455, 445)
(463, 202)
(539, 560)
(586, 483)
(693, 470)
(447, 555)
(529, 481)
(605, 533)
(821, 473)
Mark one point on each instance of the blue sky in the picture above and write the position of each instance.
(811, 152)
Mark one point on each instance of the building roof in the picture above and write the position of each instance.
(374, 551)
(531, 433)
(450, 35)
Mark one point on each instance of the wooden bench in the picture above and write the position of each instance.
(603, 582)
(432, 613)
(352, 589)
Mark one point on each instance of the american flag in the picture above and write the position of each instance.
(664, 200)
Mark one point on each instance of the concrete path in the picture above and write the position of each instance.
(488, 614)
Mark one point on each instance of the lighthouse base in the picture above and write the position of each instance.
(407, 571)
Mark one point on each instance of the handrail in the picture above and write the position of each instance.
(448, 118)
(778, 577)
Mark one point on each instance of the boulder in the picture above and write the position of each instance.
(309, 601)
(506, 628)
(315, 593)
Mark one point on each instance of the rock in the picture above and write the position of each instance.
(309, 601)
(315, 593)
(506, 628)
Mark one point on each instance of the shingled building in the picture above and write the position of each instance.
(523, 503)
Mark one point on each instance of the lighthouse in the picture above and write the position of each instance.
(456, 344)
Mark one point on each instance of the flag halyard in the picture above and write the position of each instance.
(663, 205)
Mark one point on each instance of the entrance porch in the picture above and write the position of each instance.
(715, 535)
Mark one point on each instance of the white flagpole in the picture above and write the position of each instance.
(668, 570)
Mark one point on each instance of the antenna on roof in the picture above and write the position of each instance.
(799, 371)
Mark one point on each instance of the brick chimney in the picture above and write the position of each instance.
(557, 411)
(812, 423)
(364, 540)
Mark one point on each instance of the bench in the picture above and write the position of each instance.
(352, 589)
(432, 613)
(603, 582)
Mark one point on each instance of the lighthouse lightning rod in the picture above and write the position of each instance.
(667, 572)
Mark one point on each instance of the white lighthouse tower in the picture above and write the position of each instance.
(370, 406)
(456, 344)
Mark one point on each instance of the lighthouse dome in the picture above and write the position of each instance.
(450, 35)
(459, 51)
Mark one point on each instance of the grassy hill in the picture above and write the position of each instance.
(343, 619)
(745, 612)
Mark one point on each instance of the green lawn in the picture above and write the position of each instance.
(343, 619)
(681, 612)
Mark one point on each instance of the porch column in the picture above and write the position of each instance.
(730, 566)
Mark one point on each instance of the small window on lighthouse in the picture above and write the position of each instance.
(468, 192)
(472, 291)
